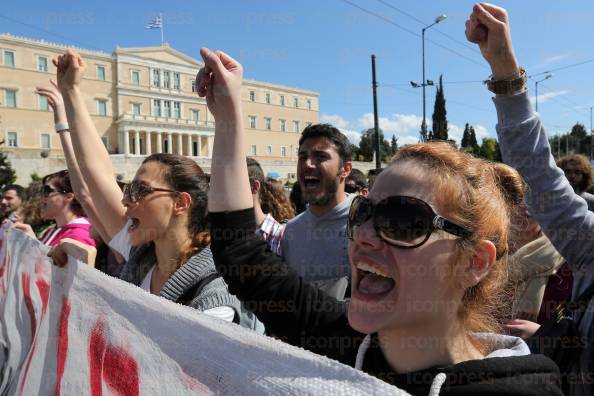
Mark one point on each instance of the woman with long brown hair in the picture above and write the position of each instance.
(159, 222)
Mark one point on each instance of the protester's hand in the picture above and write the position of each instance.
(55, 100)
(70, 69)
(488, 26)
(70, 247)
(220, 82)
(522, 328)
(26, 228)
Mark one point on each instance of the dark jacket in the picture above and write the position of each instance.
(304, 316)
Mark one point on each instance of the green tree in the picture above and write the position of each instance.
(489, 150)
(7, 173)
(35, 177)
(394, 145)
(465, 143)
(367, 145)
(472, 140)
(440, 121)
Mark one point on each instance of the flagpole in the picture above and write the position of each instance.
(161, 18)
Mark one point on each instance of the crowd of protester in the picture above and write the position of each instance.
(441, 273)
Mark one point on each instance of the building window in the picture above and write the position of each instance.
(43, 103)
(101, 73)
(296, 126)
(282, 100)
(252, 96)
(176, 81)
(167, 108)
(12, 139)
(268, 150)
(166, 79)
(267, 97)
(193, 85)
(42, 64)
(283, 151)
(101, 107)
(45, 140)
(254, 150)
(295, 101)
(252, 122)
(195, 114)
(268, 122)
(283, 125)
(105, 140)
(156, 78)
(8, 58)
(10, 98)
(176, 109)
(135, 77)
(308, 104)
(136, 108)
(156, 107)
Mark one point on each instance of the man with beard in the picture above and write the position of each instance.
(314, 243)
(578, 171)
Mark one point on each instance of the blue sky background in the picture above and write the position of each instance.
(325, 45)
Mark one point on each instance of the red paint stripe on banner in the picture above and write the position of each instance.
(97, 346)
(26, 283)
(120, 372)
(62, 343)
(43, 287)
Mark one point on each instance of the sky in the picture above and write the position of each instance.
(325, 46)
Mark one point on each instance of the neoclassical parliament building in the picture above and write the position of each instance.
(142, 101)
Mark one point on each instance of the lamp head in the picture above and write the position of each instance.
(440, 18)
(429, 82)
(414, 84)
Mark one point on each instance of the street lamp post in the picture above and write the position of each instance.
(591, 134)
(425, 82)
(549, 75)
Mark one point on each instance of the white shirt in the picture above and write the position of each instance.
(121, 244)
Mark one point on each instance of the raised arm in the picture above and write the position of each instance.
(220, 82)
(563, 215)
(80, 188)
(92, 157)
(288, 306)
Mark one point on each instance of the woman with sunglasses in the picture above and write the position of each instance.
(59, 204)
(428, 255)
(159, 222)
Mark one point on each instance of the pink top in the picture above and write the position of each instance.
(77, 229)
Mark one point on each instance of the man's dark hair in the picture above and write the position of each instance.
(343, 146)
(372, 174)
(357, 177)
(20, 190)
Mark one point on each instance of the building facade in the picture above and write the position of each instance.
(142, 101)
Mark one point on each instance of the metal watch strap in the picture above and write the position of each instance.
(508, 86)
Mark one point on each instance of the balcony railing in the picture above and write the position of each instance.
(166, 120)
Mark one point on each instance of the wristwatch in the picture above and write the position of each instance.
(508, 86)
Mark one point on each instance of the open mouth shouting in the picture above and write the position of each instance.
(134, 224)
(311, 183)
(371, 282)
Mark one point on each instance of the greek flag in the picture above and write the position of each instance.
(155, 23)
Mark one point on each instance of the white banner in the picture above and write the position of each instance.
(75, 331)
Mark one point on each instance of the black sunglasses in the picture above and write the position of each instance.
(135, 191)
(401, 221)
(47, 190)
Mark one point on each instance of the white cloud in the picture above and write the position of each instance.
(549, 95)
(394, 124)
(334, 119)
(406, 127)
